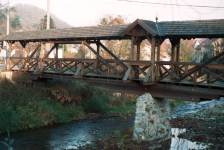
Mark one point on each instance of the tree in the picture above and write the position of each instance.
(15, 23)
(186, 50)
(79, 52)
(43, 23)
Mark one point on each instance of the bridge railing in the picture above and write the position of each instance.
(126, 70)
(195, 73)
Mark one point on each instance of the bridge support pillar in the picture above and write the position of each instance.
(152, 119)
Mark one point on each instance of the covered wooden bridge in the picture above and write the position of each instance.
(163, 79)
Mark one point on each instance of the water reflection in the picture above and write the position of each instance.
(65, 136)
(183, 144)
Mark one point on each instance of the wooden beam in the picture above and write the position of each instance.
(98, 52)
(158, 53)
(153, 60)
(101, 58)
(10, 50)
(41, 56)
(138, 51)
(132, 47)
(115, 57)
(200, 66)
(48, 53)
(83, 50)
(178, 51)
(127, 73)
(32, 54)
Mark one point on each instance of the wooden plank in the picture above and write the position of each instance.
(140, 70)
(114, 56)
(140, 63)
(48, 53)
(158, 53)
(83, 50)
(200, 66)
(98, 52)
(5, 67)
(41, 56)
(30, 57)
(37, 68)
(127, 73)
(170, 72)
(107, 64)
(147, 75)
(213, 73)
(132, 47)
(138, 51)
(60, 66)
(153, 59)
(10, 50)
(89, 60)
(216, 66)
(78, 70)
(51, 66)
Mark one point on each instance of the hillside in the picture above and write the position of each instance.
(29, 16)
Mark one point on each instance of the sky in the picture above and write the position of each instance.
(88, 12)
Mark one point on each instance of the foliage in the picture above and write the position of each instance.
(15, 23)
(120, 48)
(79, 52)
(175, 103)
(186, 50)
(43, 23)
(8, 142)
(213, 49)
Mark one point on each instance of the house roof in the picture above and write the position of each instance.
(75, 32)
(204, 43)
(180, 29)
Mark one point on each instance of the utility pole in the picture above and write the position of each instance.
(48, 22)
(7, 46)
(48, 14)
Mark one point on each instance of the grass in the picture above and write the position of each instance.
(32, 105)
(175, 103)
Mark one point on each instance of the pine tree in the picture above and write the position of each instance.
(43, 23)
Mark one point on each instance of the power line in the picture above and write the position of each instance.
(171, 4)
(159, 4)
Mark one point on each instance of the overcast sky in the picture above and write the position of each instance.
(87, 12)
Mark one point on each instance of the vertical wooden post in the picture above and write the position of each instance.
(83, 57)
(83, 50)
(132, 55)
(157, 59)
(56, 57)
(98, 52)
(138, 51)
(172, 59)
(41, 56)
(178, 55)
(10, 50)
(132, 47)
(152, 66)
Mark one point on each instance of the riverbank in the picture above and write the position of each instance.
(33, 105)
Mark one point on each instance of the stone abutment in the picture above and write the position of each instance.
(152, 119)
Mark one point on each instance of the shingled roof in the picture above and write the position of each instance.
(76, 32)
(180, 28)
(192, 29)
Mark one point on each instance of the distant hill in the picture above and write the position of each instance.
(31, 15)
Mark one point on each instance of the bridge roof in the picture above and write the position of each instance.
(181, 29)
(103, 32)
(192, 28)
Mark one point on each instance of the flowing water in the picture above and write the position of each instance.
(65, 136)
